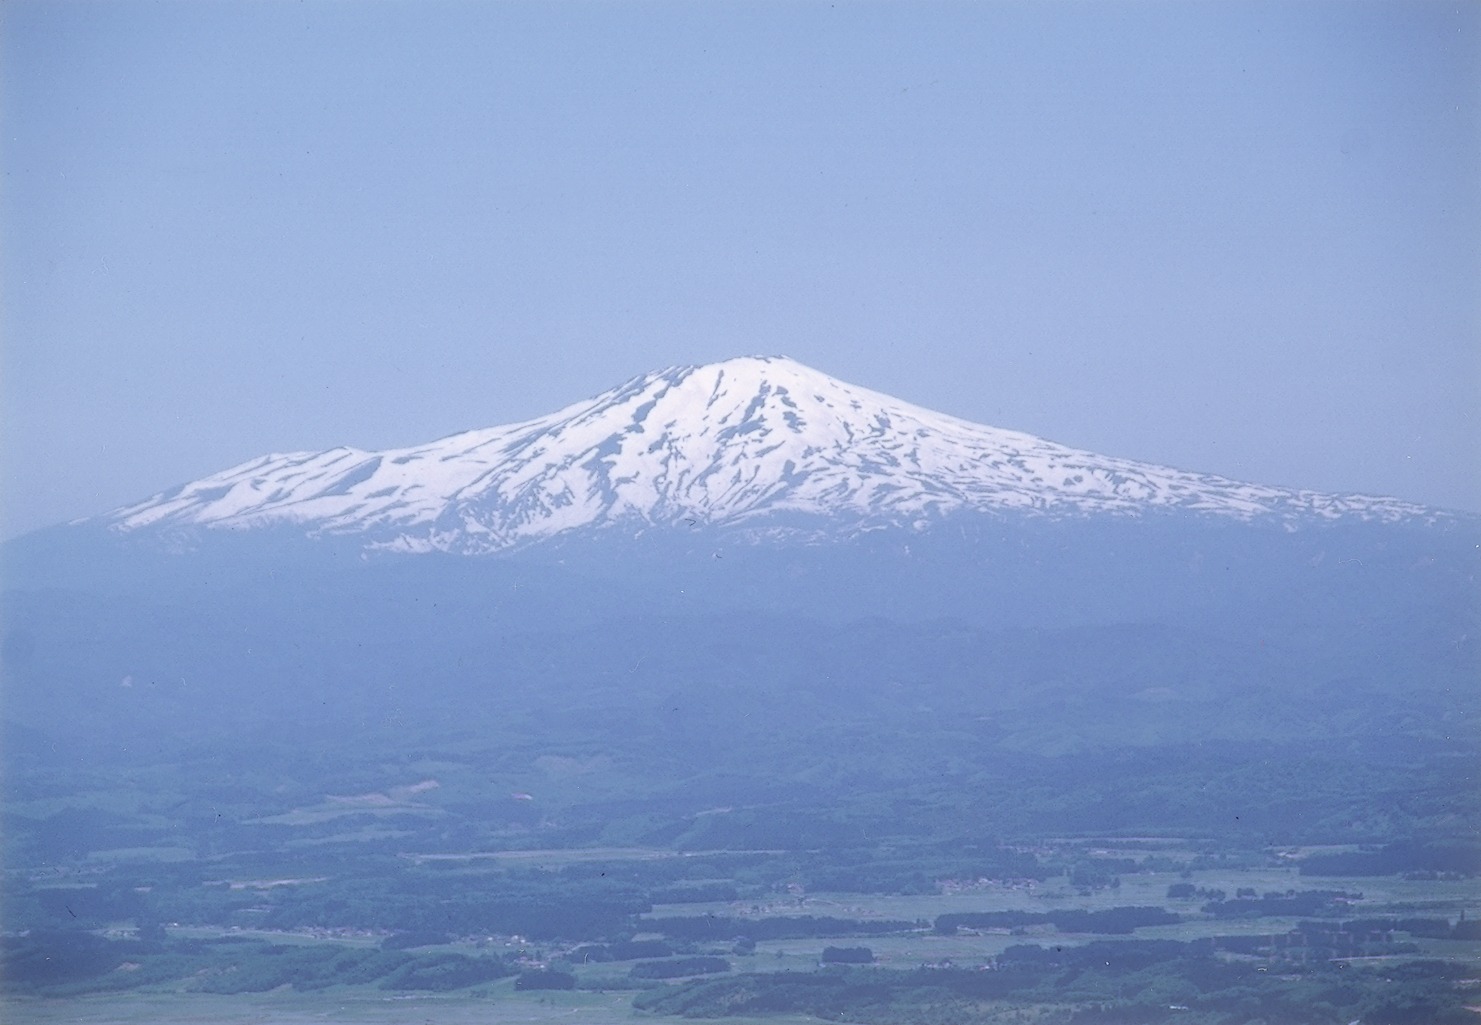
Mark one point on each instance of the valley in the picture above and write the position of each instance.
(888, 729)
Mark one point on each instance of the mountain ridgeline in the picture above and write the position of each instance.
(750, 572)
(763, 446)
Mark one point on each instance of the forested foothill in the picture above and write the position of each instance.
(1259, 881)
(1217, 814)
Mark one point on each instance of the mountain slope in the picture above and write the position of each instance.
(1076, 601)
(754, 442)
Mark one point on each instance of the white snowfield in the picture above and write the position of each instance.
(728, 444)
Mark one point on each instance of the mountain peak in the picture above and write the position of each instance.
(735, 443)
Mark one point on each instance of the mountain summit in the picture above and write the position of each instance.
(751, 442)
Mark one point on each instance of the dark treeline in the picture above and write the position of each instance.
(1405, 856)
(1307, 902)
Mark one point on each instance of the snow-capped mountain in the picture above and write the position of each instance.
(739, 443)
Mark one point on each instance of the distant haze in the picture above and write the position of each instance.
(1243, 239)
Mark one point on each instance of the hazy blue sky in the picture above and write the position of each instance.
(1244, 239)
